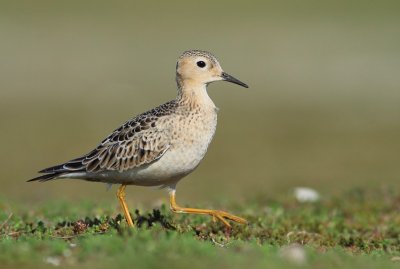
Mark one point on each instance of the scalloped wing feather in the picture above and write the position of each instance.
(137, 142)
(143, 148)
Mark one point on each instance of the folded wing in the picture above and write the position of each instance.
(135, 143)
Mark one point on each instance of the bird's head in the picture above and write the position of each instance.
(196, 67)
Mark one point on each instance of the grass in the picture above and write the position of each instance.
(356, 229)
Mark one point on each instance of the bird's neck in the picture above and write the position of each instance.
(194, 95)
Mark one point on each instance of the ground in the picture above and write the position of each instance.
(357, 229)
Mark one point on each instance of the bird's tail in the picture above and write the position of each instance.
(58, 171)
(46, 177)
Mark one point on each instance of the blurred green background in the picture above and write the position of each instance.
(322, 109)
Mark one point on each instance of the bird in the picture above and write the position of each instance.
(161, 146)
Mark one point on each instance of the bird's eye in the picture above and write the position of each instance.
(201, 64)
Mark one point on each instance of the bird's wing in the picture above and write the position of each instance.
(135, 143)
(140, 141)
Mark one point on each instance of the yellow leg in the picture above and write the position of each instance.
(216, 214)
(121, 198)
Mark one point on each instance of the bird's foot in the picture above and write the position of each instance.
(224, 216)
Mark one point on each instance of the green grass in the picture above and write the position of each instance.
(356, 229)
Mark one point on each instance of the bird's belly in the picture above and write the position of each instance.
(170, 168)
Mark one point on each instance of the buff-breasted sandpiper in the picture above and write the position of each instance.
(160, 146)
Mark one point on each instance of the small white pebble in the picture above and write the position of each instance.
(304, 194)
(294, 253)
(53, 261)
